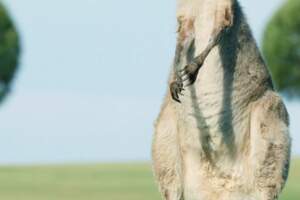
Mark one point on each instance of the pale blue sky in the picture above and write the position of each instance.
(93, 75)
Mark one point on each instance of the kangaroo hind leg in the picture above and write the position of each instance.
(270, 145)
(166, 156)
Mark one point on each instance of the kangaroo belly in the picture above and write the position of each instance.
(215, 110)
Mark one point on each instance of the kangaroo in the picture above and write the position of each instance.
(223, 131)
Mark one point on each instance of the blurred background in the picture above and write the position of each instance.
(81, 82)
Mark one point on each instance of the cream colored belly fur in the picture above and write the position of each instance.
(204, 141)
(215, 156)
(228, 139)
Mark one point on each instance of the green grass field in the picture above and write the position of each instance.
(96, 182)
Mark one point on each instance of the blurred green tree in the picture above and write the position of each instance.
(9, 51)
(281, 48)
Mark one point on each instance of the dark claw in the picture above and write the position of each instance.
(176, 88)
(175, 97)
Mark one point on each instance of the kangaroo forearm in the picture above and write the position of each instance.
(214, 41)
(223, 21)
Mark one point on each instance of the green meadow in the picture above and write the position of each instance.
(96, 182)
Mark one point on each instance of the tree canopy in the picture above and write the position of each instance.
(281, 48)
(9, 51)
